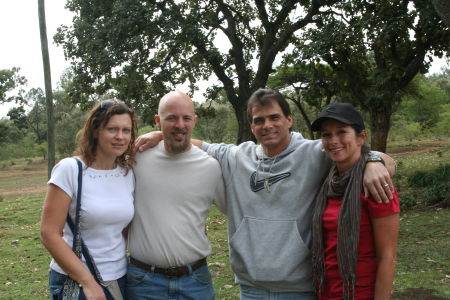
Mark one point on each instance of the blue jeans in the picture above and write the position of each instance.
(56, 282)
(143, 284)
(253, 293)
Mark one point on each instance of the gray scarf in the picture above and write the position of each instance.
(347, 185)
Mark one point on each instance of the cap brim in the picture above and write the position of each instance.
(317, 124)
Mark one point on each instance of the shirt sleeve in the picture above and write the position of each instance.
(63, 176)
(225, 155)
(378, 210)
(221, 201)
(218, 151)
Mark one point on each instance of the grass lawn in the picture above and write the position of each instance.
(423, 266)
(423, 270)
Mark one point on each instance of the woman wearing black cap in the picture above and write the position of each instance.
(354, 238)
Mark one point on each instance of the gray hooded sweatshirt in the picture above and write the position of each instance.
(269, 208)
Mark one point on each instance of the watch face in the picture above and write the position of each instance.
(374, 157)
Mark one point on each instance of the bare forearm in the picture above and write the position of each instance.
(384, 279)
(391, 166)
(54, 213)
(385, 230)
(67, 259)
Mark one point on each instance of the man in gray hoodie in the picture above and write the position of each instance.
(270, 188)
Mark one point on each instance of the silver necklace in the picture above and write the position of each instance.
(267, 184)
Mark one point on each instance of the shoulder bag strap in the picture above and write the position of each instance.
(78, 245)
(75, 227)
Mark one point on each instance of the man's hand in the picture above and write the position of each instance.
(146, 141)
(377, 182)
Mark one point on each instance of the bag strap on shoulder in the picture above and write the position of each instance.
(78, 246)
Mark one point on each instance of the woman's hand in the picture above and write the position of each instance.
(93, 291)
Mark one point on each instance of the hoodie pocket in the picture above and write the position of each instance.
(270, 251)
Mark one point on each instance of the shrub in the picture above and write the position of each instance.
(408, 200)
(421, 179)
(434, 186)
(438, 195)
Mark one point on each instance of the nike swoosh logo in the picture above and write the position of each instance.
(257, 185)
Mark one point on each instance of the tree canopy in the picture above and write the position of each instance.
(306, 84)
(142, 49)
(443, 9)
(375, 49)
(9, 81)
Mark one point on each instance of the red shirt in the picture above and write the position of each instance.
(366, 268)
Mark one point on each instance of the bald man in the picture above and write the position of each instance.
(176, 183)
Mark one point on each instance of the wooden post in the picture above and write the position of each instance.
(48, 87)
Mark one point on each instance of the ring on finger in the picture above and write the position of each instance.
(386, 185)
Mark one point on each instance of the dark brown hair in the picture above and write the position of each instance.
(265, 97)
(98, 117)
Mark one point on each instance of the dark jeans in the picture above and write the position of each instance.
(253, 293)
(143, 284)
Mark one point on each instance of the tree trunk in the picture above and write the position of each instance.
(297, 102)
(380, 122)
(244, 131)
(48, 87)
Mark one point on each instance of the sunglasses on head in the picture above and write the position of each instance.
(107, 104)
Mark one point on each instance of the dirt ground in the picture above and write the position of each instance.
(31, 190)
(414, 149)
(416, 294)
(13, 178)
(41, 170)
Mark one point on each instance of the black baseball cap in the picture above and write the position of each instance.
(343, 112)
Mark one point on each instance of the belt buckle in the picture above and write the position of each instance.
(172, 271)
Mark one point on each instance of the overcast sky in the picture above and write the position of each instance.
(21, 46)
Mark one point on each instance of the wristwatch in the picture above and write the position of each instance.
(375, 157)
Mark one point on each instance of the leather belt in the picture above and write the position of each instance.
(171, 272)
